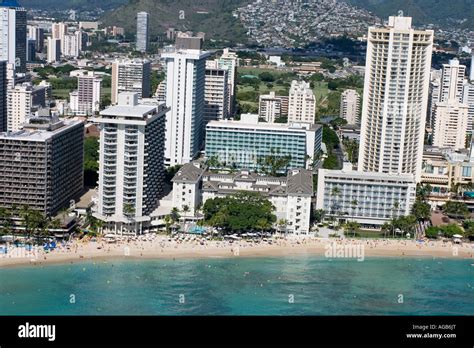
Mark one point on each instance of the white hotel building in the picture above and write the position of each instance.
(291, 195)
(243, 144)
(185, 95)
(395, 98)
(131, 170)
(370, 199)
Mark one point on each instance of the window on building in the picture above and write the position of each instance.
(466, 171)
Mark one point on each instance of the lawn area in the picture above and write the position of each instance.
(248, 92)
(320, 90)
(61, 93)
(264, 89)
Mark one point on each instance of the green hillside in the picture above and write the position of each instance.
(441, 12)
(214, 17)
(72, 4)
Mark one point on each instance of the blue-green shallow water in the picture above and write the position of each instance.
(244, 286)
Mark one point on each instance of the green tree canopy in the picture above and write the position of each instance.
(266, 77)
(457, 210)
(421, 210)
(445, 231)
(242, 211)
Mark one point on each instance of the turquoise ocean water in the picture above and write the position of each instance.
(303, 285)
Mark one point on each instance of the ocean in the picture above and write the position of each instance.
(297, 285)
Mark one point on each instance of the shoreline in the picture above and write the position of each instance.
(163, 248)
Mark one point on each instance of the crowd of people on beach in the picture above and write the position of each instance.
(157, 245)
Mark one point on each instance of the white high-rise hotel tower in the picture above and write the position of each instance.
(395, 98)
(185, 82)
(131, 170)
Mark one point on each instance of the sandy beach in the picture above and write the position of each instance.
(159, 247)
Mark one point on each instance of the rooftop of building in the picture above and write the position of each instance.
(40, 129)
(190, 172)
(448, 154)
(252, 121)
(298, 181)
(129, 106)
(131, 61)
(369, 176)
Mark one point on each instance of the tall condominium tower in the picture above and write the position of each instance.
(86, 99)
(13, 34)
(58, 31)
(37, 34)
(452, 80)
(272, 106)
(450, 124)
(229, 61)
(142, 31)
(471, 72)
(22, 101)
(70, 46)
(395, 98)
(216, 96)
(433, 95)
(3, 96)
(185, 84)
(302, 103)
(350, 106)
(131, 76)
(131, 168)
(468, 99)
(54, 50)
(41, 166)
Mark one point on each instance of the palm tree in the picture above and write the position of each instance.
(336, 192)
(395, 208)
(55, 224)
(386, 228)
(319, 215)
(282, 224)
(213, 162)
(262, 224)
(354, 204)
(37, 222)
(352, 226)
(5, 219)
(186, 209)
(63, 212)
(128, 210)
(175, 214)
(25, 215)
(168, 222)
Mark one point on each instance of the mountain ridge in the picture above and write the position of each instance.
(71, 4)
(214, 17)
(438, 12)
